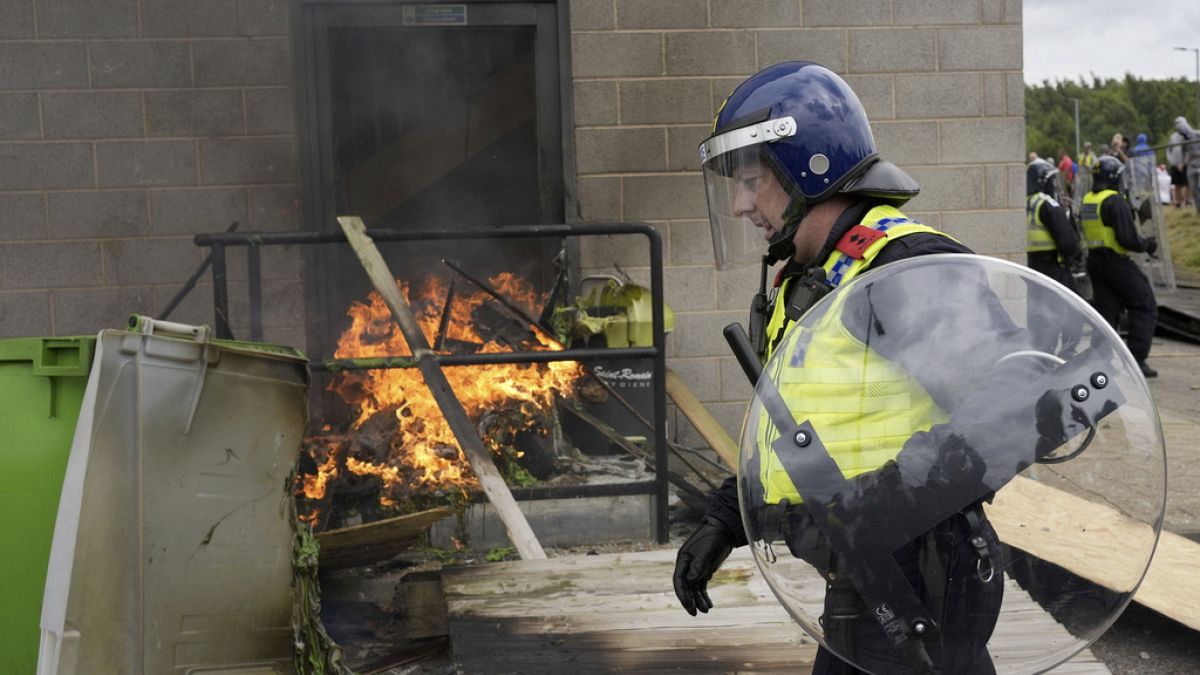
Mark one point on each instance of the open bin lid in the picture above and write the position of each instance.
(172, 547)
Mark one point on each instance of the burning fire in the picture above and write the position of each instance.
(422, 449)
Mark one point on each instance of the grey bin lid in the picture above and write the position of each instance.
(171, 550)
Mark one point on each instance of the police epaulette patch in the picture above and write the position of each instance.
(857, 240)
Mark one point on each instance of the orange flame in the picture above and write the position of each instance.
(423, 445)
(315, 484)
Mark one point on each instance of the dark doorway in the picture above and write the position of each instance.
(435, 125)
(437, 116)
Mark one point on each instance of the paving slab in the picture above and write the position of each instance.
(1176, 392)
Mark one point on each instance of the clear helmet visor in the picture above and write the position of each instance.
(746, 197)
(923, 388)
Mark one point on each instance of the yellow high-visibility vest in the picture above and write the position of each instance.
(1095, 233)
(840, 266)
(1037, 237)
(862, 405)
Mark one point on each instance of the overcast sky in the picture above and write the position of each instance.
(1068, 38)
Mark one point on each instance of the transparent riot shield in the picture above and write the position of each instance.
(1142, 180)
(1079, 189)
(952, 461)
(1081, 185)
(1065, 197)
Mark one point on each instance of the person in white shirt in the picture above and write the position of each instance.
(1164, 185)
(1191, 155)
(1177, 169)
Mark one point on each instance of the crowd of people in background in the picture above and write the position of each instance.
(1177, 179)
(1126, 179)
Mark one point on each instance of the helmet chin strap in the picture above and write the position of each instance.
(781, 247)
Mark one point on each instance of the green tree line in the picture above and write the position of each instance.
(1128, 106)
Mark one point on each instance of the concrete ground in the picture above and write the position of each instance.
(1143, 642)
(1176, 392)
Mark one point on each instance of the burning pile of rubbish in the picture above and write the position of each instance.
(398, 454)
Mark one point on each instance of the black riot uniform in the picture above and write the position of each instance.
(788, 139)
(1051, 243)
(1053, 248)
(966, 606)
(1119, 284)
(1066, 243)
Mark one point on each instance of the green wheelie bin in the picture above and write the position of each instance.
(42, 380)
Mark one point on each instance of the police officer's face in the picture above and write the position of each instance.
(759, 197)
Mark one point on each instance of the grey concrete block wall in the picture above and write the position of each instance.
(126, 128)
(940, 79)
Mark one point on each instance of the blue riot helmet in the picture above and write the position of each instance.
(800, 125)
(1107, 174)
(1041, 176)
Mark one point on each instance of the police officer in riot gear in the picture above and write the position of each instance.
(1051, 242)
(1110, 234)
(792, 163)
(1052, 247)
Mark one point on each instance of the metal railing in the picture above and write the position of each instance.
(217, 243)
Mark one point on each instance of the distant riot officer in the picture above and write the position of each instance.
(1052, 248)
(1110, 234)
(1087, 160)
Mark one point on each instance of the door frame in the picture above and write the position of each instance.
(556, 147)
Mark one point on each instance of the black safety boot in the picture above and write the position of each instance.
(1147, 370)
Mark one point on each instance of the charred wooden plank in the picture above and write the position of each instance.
(411, 653)
(490, 480)
(372, 542)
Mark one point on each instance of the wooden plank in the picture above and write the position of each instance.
(424, 603)
(372, 542)
(618, 613)
(615, 613)
(519, 532)
(385, 618)
(1082, 536)
(708, 427)
(653, 651)
(410, 654)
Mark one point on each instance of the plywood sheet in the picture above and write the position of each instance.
(618, 613)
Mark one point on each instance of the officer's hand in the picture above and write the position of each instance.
(1151, 245)
(697, 560)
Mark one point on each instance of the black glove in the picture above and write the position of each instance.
(1151, 245)
(1145, 212)
(697, 560)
